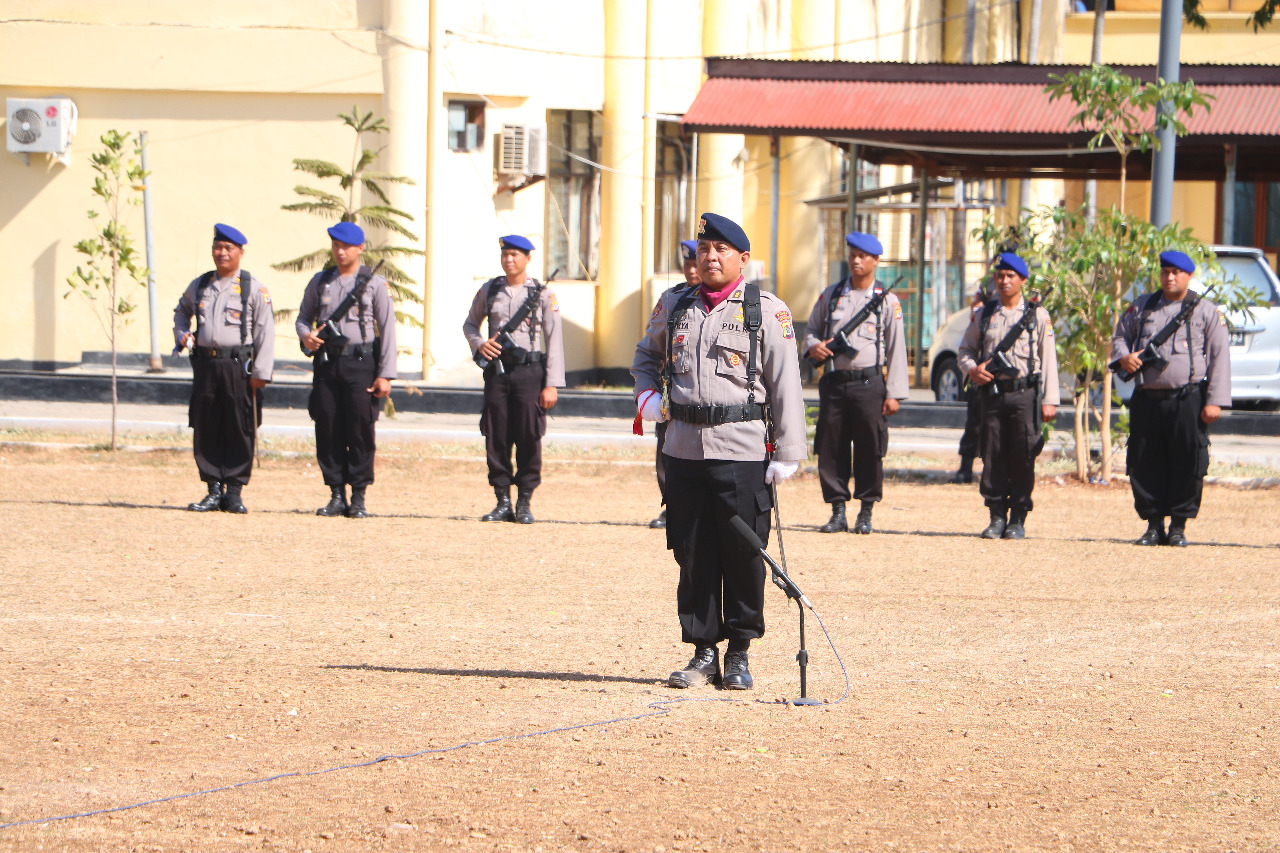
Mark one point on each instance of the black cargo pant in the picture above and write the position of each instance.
(1010, 445)
(660, 465)
(222, 417)
(721, 590)
(851, 411)
(1168, 452)
(512, 417)
(345, 414)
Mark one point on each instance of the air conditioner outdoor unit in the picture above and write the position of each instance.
(39, 125)
(522, 150)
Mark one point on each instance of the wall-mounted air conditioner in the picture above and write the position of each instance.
(522, 150)
(40, 125)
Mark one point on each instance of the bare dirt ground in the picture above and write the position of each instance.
(1069, 692)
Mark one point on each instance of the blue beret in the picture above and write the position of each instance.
(1177, 260)
(347, 232)
(688, 250)
(1010, 261)
(231, 235)
(515, 241)
(864, 243)
(713, 226)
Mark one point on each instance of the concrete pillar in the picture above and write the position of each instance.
(618, 308)
(724, 33)
(806, 173)
(404, 103)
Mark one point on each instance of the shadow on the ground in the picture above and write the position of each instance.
(500, 673)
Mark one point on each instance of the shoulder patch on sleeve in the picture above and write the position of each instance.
(784, 320)
(897, 310)
(266, 294)
(555, 303)
(657, 309)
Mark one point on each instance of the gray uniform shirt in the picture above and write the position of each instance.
(709, 367)
(825, 322)
(219, 325)
(375, 307)
(542, 325)
(973, 352)
(1199, 348)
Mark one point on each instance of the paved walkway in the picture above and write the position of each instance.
(406, 427)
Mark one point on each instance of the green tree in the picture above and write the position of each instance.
(380, 216)
(1261, 17)
(1121, 111)
(110, 259)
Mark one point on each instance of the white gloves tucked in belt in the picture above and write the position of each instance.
(779, 471)
(649, 405)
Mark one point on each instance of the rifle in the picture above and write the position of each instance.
(510, 351)
(328, 331)
(840, 340)
(999, 364)
(1149, 354)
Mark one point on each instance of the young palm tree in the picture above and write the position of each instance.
(378, 217)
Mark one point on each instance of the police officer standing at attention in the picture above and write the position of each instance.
(1008, 352)
(520, 380)
(1176, 396)
(352, 371)
(232, 356)
(720, 362)
(854, 399)
(689, 263)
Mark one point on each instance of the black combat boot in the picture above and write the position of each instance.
(337, 504)
(965, 472)
(501, 512)
(356, 508)
(660, 522)
(736, 675)
(1177, 532)
(231, 501)
(703, 668)
(995, 529)
(211, 501)
(837, 522)
(1015, 530)
(1155, 532)
(523, 515)
(862, 524)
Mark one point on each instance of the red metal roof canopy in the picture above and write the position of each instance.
(982, 119)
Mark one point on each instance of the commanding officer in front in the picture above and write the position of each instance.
(720, 362)
(854, 400)
(1017, 335)
(232, 356)
(351, 374)
(521, 380)
(1173, 402)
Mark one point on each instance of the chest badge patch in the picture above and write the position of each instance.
(784, 320)
(735, 359)
(739, 317)
(680, 339)
(235, 288)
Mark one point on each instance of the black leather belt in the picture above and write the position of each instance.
(853, 375)
(350, 350)
(237, 352)
(534, 358)
(1009, 386)
(714, 415)
(1164, 393)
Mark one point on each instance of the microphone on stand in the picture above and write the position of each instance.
(780, 577)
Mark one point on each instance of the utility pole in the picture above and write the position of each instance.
(1168, 70)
